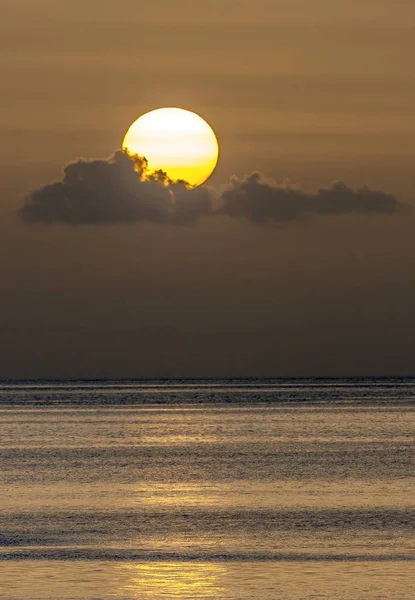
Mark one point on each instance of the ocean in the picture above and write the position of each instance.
(282, 489)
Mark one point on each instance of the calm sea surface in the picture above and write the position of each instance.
(227, 490)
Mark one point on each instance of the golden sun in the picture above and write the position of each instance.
(176, 141)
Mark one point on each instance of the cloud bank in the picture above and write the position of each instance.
(118, 190)
(111, 191)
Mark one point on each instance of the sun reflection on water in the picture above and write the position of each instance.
(175, 580)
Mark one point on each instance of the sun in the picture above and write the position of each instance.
(177, 141)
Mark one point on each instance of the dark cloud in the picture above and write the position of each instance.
(111, 191)
(257, 200)
(119, 190)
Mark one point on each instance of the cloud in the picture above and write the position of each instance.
(113, 191)
(255, 199)
(120, 190)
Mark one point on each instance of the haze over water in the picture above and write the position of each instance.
(230, 490)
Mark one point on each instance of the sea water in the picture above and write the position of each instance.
(230, 490)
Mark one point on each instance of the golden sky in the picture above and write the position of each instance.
(287, 85)
(311, 90)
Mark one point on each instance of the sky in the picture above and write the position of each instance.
(306, 91)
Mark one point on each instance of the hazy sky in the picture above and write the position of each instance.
(309, 90)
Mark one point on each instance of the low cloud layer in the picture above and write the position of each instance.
(111, 191)
(115, 191)
(257, 200)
